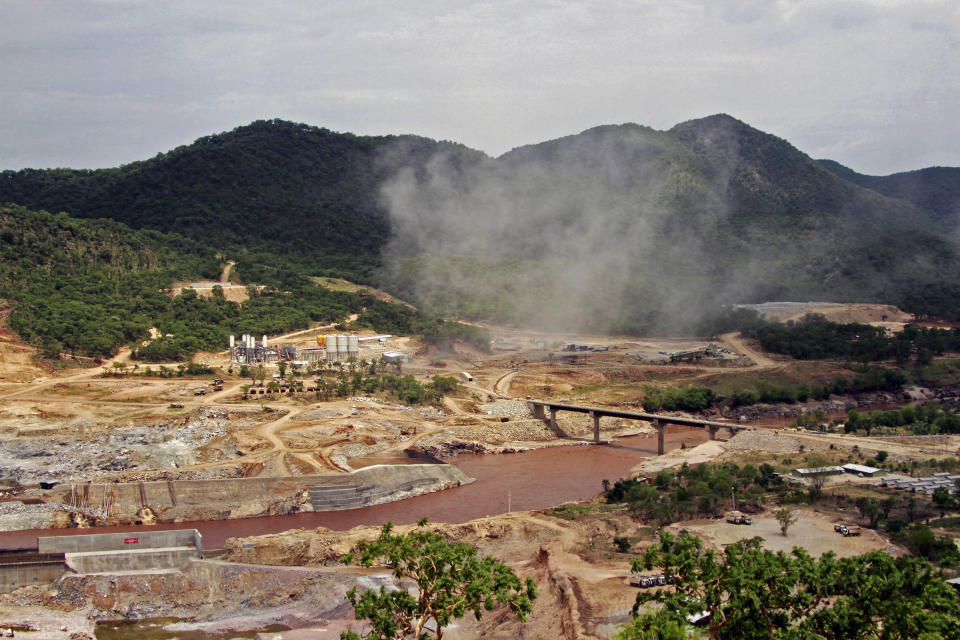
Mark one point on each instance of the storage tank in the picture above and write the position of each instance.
(264, 342)
(353, 345)
(342, 344)
(231, 342)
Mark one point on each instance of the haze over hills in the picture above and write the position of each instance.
(618, 228)
(936, 189)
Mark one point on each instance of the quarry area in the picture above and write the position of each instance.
(115, 445)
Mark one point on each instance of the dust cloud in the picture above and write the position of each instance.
(610, 231)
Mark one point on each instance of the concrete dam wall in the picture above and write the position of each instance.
(189, 500)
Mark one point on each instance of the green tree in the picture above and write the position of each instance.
(450, 582)
(944, 500)
(750, 593)
(786, 518)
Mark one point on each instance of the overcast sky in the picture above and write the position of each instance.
(874, 84)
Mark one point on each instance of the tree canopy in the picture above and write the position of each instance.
(750, 593)
(450, 580)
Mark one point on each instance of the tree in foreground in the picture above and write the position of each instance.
(750, 593)
(450, 582)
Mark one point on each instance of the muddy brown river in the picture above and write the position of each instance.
(521, 481)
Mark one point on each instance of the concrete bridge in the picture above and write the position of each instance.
(539, 410)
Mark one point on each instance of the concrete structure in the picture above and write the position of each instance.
(26, 567)
(539, 408)
(234, 496)
(121, 541)
(383, 483)
(109, 552)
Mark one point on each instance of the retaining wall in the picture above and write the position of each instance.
(384, 483)
(173, 499)
(142, 560)
(121, 541)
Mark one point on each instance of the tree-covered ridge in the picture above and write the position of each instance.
(672, 224)
(936, 189)
(88, 286)
(303, 193)
(649, 231)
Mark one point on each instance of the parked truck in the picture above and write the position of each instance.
(736, 517)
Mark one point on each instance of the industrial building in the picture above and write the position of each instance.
(333, 348)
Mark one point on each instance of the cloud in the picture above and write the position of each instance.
(491, 74)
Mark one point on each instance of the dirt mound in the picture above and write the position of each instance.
(834, 311)
(322, 546)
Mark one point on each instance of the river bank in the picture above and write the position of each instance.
(535, 479)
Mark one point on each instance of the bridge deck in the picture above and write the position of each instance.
(636, 415)
(538, 409)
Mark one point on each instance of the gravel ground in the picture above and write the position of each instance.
(15, 516)
(768, 441)
(513, 409)
(82, 453)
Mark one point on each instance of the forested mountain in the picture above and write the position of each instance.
(936, 189)
(88, 287)
(626, 228)
(303, 193)
(619, 228)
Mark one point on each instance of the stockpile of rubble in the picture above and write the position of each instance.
(513, 409)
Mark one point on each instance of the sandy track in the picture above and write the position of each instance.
(738, 345)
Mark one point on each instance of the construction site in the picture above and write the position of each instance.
(131, 453)
(334, 348)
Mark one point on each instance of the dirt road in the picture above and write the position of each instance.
(738, 345)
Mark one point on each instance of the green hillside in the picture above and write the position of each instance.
(304, 194)
(936, 189)
(89, 286)
(619, 228)
(625, 228)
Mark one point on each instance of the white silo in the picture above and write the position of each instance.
(264, 341)
(353, 347)
(231, 341)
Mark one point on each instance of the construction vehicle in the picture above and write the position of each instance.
(851, 531)
(736, 517)
(643, 581)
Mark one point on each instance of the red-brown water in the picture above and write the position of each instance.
(521, 481)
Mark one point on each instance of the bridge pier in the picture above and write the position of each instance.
(660, 427)
(553, 420)
(537, 410)
(712, 431)
(596, 425)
